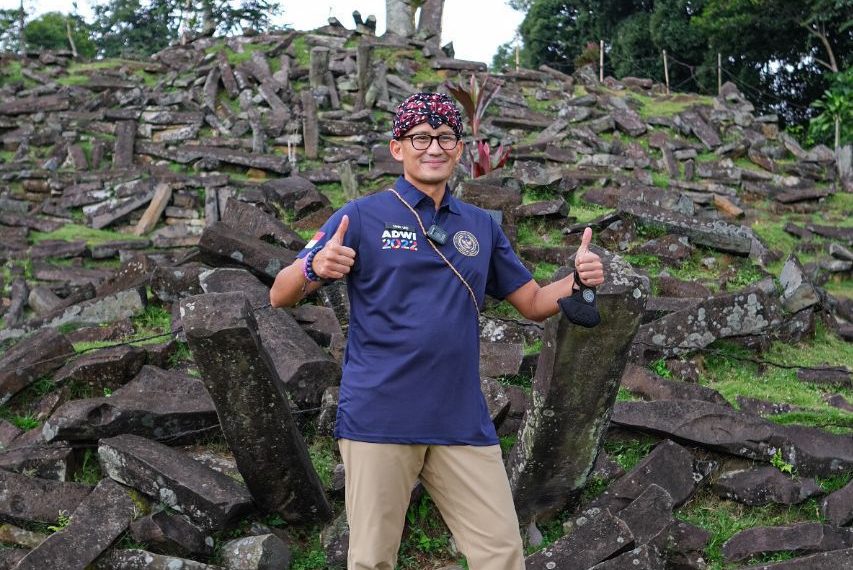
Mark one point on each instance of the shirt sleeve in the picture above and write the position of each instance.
(351, 238)
(506, 272)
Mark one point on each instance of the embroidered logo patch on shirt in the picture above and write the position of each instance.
(395, 236)
(317, 237)
(466, 243)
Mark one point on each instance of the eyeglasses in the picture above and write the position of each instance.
(423, 141)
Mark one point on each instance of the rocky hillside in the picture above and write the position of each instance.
(145, 207)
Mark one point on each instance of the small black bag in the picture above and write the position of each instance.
(580, 307)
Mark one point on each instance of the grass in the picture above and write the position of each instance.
(727, 372)
(89, 472)
(152, 326)
(73, 232)
(627, 453)
(723, 519)
(323, 453)
(660, 179)
(238, 57)
(535, 232)
(300, 51)
(663, 106)
(544, 271)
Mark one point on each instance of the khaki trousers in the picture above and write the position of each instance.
(467, 483)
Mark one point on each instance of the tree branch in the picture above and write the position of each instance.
(832, 66)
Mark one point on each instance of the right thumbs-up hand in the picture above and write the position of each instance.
(335, 259)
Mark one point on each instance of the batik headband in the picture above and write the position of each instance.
(432, 108)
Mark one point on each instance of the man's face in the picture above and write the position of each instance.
(434, 165)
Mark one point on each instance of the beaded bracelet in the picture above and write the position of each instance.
(307, 269)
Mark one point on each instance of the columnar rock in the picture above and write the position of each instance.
(400, 17)
(721, 316)
(211, 499)
(838, 506)
(835, 560)
(600, 538)
(429, 21)
(252, 405)
(30, 359)
(27, 499)
(163, 405)
(95, 524)
(806, 537)
(262, 552)
(811, 451)
(305, 369)
(133, 559)
(764, 485)
(319, 67)
(577, 378)
(263, 258)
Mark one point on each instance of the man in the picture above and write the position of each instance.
(410, 404)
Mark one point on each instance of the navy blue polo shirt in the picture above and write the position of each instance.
(411, 368)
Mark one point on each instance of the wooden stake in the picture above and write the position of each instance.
(601, 61)
(666, 71)
(719, 73)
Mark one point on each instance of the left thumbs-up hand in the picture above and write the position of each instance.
(587, 264)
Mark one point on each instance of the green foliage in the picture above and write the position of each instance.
(322, 452)
(544, 271)
(182, 354)
(50, 31)
(594, 487)
(427, 535)
(833, 126)
(62, 521)
(532, 232)
(131, 27)
(507, 442)
(533, 348)
(780, 464)
(659, 368)
(25, 422)
(10, 27)
(627, 453)
(727, 372)
(723, 519)
(89, 472)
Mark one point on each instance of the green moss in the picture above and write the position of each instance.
(660, 179)
(73, 232)
(666, 106)
(300, 51)
(70, 80)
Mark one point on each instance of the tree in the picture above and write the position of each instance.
(129, 27)
(51, 30)
(556, 32)
(781, 50)
(12, 29)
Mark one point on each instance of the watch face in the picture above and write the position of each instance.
(588, 295)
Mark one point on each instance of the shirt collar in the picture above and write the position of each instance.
(414, 196)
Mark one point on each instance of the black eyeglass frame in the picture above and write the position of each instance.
(437, 138)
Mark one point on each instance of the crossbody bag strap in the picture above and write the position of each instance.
(441, 255)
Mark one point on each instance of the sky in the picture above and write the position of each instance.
(474, 36)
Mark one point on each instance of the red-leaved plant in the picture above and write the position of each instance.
(475, 98)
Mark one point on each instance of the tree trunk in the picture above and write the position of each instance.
(400, 17)
(22, 40)
(70, 37)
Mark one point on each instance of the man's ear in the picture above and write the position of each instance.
(396, 148)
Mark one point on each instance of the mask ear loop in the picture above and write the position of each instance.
(441, 255)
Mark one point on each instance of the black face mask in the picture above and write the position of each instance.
(580, 307)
